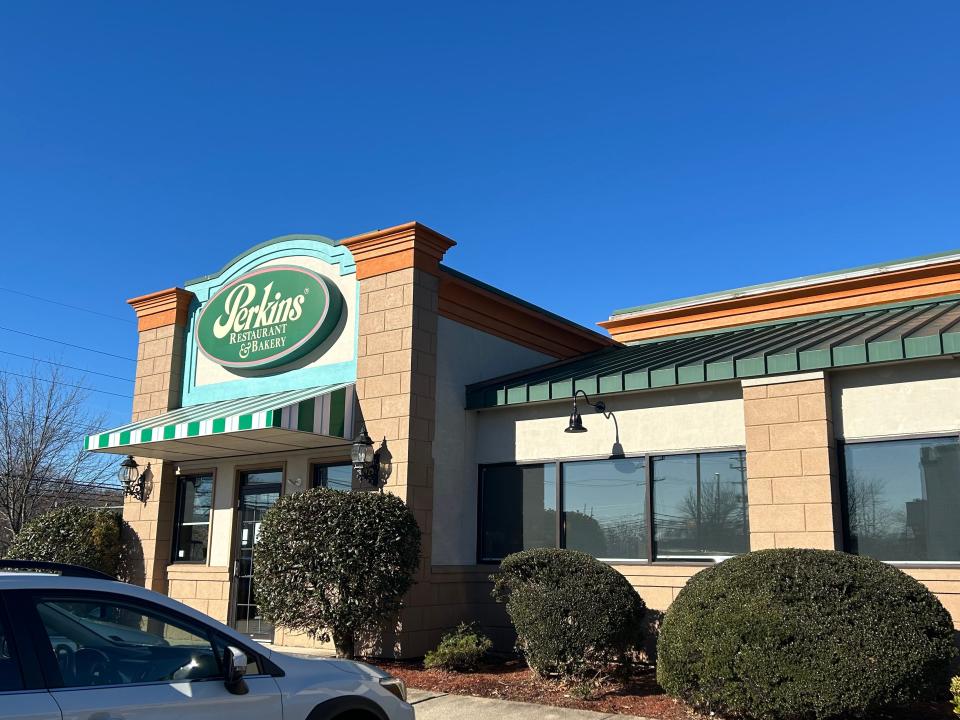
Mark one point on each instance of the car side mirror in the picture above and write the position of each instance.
(234, 668)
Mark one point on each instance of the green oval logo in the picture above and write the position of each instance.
(268, 317)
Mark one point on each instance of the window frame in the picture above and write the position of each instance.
(560, 535)
(178, 516)
(841, 444)
(24, 605)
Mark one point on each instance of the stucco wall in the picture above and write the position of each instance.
(904, 399)
(464, 355)
(671, 420)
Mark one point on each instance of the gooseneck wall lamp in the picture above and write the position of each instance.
(132, 481)
(576, 422)
(371, 467)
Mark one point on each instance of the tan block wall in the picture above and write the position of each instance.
(202, 587)
(396, 386)
(658, 584)
(791, 475)
(157, 389)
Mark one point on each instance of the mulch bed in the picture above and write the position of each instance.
(512, 680)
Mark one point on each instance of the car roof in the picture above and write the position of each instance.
(50, 581)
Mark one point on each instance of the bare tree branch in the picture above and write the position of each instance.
(43, 464)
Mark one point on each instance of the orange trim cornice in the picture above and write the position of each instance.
(167, 307)
(490, 312)
(845, 294)
(410, 245)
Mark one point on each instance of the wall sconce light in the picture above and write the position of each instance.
(133, 482)
(576, 422)
(370, 467)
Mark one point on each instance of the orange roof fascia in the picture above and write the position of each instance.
(843, 294)
(479, 308)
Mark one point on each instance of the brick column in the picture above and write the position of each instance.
(791, 471)
(398, 274)
(161, 321)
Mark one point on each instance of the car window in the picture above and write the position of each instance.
(110, 642)
(10, 678)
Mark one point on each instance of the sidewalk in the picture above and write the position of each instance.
(440, 706)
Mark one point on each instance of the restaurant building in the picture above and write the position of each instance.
(818, 412)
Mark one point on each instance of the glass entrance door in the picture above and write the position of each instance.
(259, 490)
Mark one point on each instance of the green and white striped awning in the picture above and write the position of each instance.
(284, 421)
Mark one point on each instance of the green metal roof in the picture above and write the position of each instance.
(870, 335)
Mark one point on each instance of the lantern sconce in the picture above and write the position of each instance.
(132, 481)
(371, 467)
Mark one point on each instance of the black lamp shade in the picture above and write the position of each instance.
(576, 423)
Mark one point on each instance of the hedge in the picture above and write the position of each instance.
(804, 635)
(573, 614)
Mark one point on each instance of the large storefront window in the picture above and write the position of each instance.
(902, 499)
(192, 525)
(605, 508)
(700, 505)
(518, 509)
(697, 507)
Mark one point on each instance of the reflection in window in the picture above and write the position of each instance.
(194, 498)
(902, 499)
(113, 643)
(334, 477)
(517, 509)
(700, 505)
(604, 508)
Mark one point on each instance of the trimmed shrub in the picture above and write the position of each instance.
(460, 650)
(572, 612)
(75, 535)
(804, 635)
(955, 692)
(335, 565)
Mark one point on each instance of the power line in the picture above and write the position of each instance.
(67, 305)
(63, 384)
(61, 342)
(69, 367)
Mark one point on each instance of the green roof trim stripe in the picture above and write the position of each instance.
(866, 336)
(325, 410)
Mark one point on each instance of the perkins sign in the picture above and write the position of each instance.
(268, 317)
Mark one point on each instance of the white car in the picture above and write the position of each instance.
(77, 645)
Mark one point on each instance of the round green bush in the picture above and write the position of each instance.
(804, 635)
(75, 535)
(572, 613)
(334, 564)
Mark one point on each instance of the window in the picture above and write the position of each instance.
(518, 509)
(605, 508)
(700, 505)
(334, 477)
(192, 530)
(114, 642)
(902, 499)
(10, 679)
(696, 507)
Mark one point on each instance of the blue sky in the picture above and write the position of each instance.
(586, 156)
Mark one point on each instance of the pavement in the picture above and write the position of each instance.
(442, 706)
